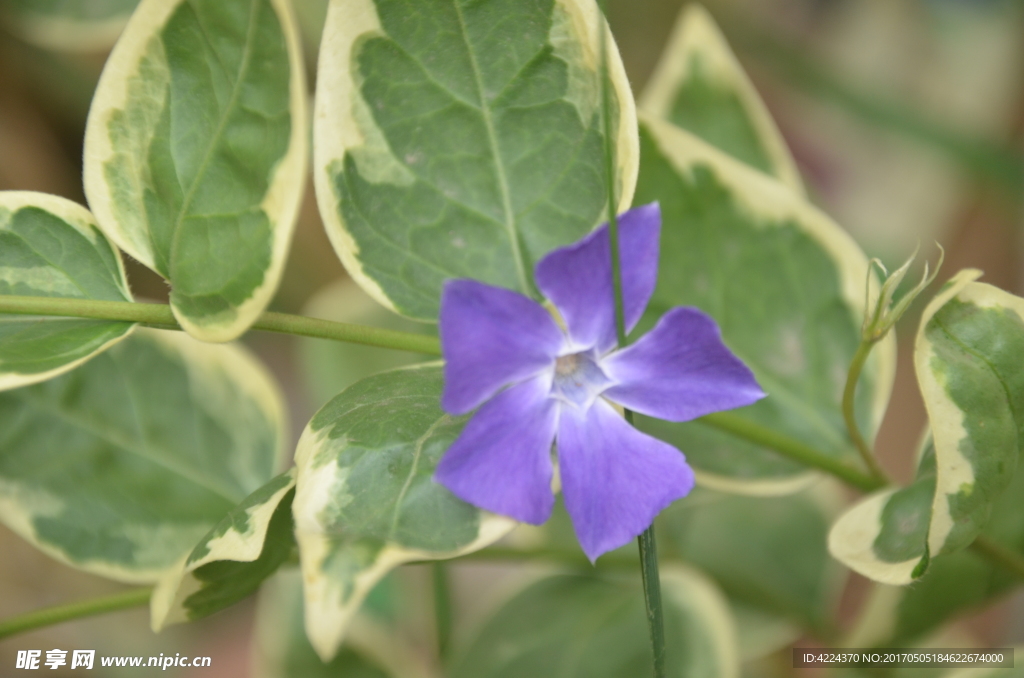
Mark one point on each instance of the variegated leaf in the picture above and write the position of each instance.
(366, 501)
(967, 358)
(884, 536)
(196, 151)
(953, 584)
(785, 284)
(68, 25)
(248, 545)
(699, 86)
(463, 139)
(588, 627)
(50, 247)
(120, 467)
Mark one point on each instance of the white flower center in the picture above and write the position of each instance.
(578, 379)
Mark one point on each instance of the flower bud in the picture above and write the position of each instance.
(881, 318)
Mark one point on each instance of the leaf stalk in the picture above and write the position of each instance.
(849, 391)
(792, 449)
(161, 316)
(62, 613)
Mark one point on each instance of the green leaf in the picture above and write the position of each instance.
(766, 553)
(283, 651)
(587, 627)
(463, 139)
(50, 247)
(68, 25)
(699, 85)
(248, 545)
(195, 153)
(967, 358)
(120, 467)
(884, 536)
(954, 583)
(785, 284)
(366, 501)
(330, 366)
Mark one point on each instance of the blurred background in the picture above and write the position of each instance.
(906, 118)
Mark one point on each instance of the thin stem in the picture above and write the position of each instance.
(160, 315)
(646, 541)
(442, 608)
(793, 449)
(852, 377)
(999, 554)
(62, 613)
(652, 597)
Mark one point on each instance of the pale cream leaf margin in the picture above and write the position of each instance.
(695, 32)
(82, 221)
(284, 195)
(773, 202)
(167, 603)
(946, 419)
(341, 119)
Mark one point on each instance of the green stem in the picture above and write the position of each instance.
(160, 315)
(793, 449)
(646, 541)
(62, 613)
(442, 608)
(652, 597)
(999, 554)
(852, 377)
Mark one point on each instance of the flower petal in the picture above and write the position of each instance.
(502, 460)
(680, 370)
(491, 337)
(615, 479)
(578, 279)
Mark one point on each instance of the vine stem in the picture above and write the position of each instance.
(62, 613)
(849, 391)
(646, 541)
(792, 449)
(161, 316)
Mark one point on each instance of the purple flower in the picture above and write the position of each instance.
(561, 386)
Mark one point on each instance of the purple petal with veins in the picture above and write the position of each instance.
(680, 370)
(491, 337)
(502, 460)
(615, 479)
(578, 279)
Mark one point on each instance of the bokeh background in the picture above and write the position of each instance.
(906, 118)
